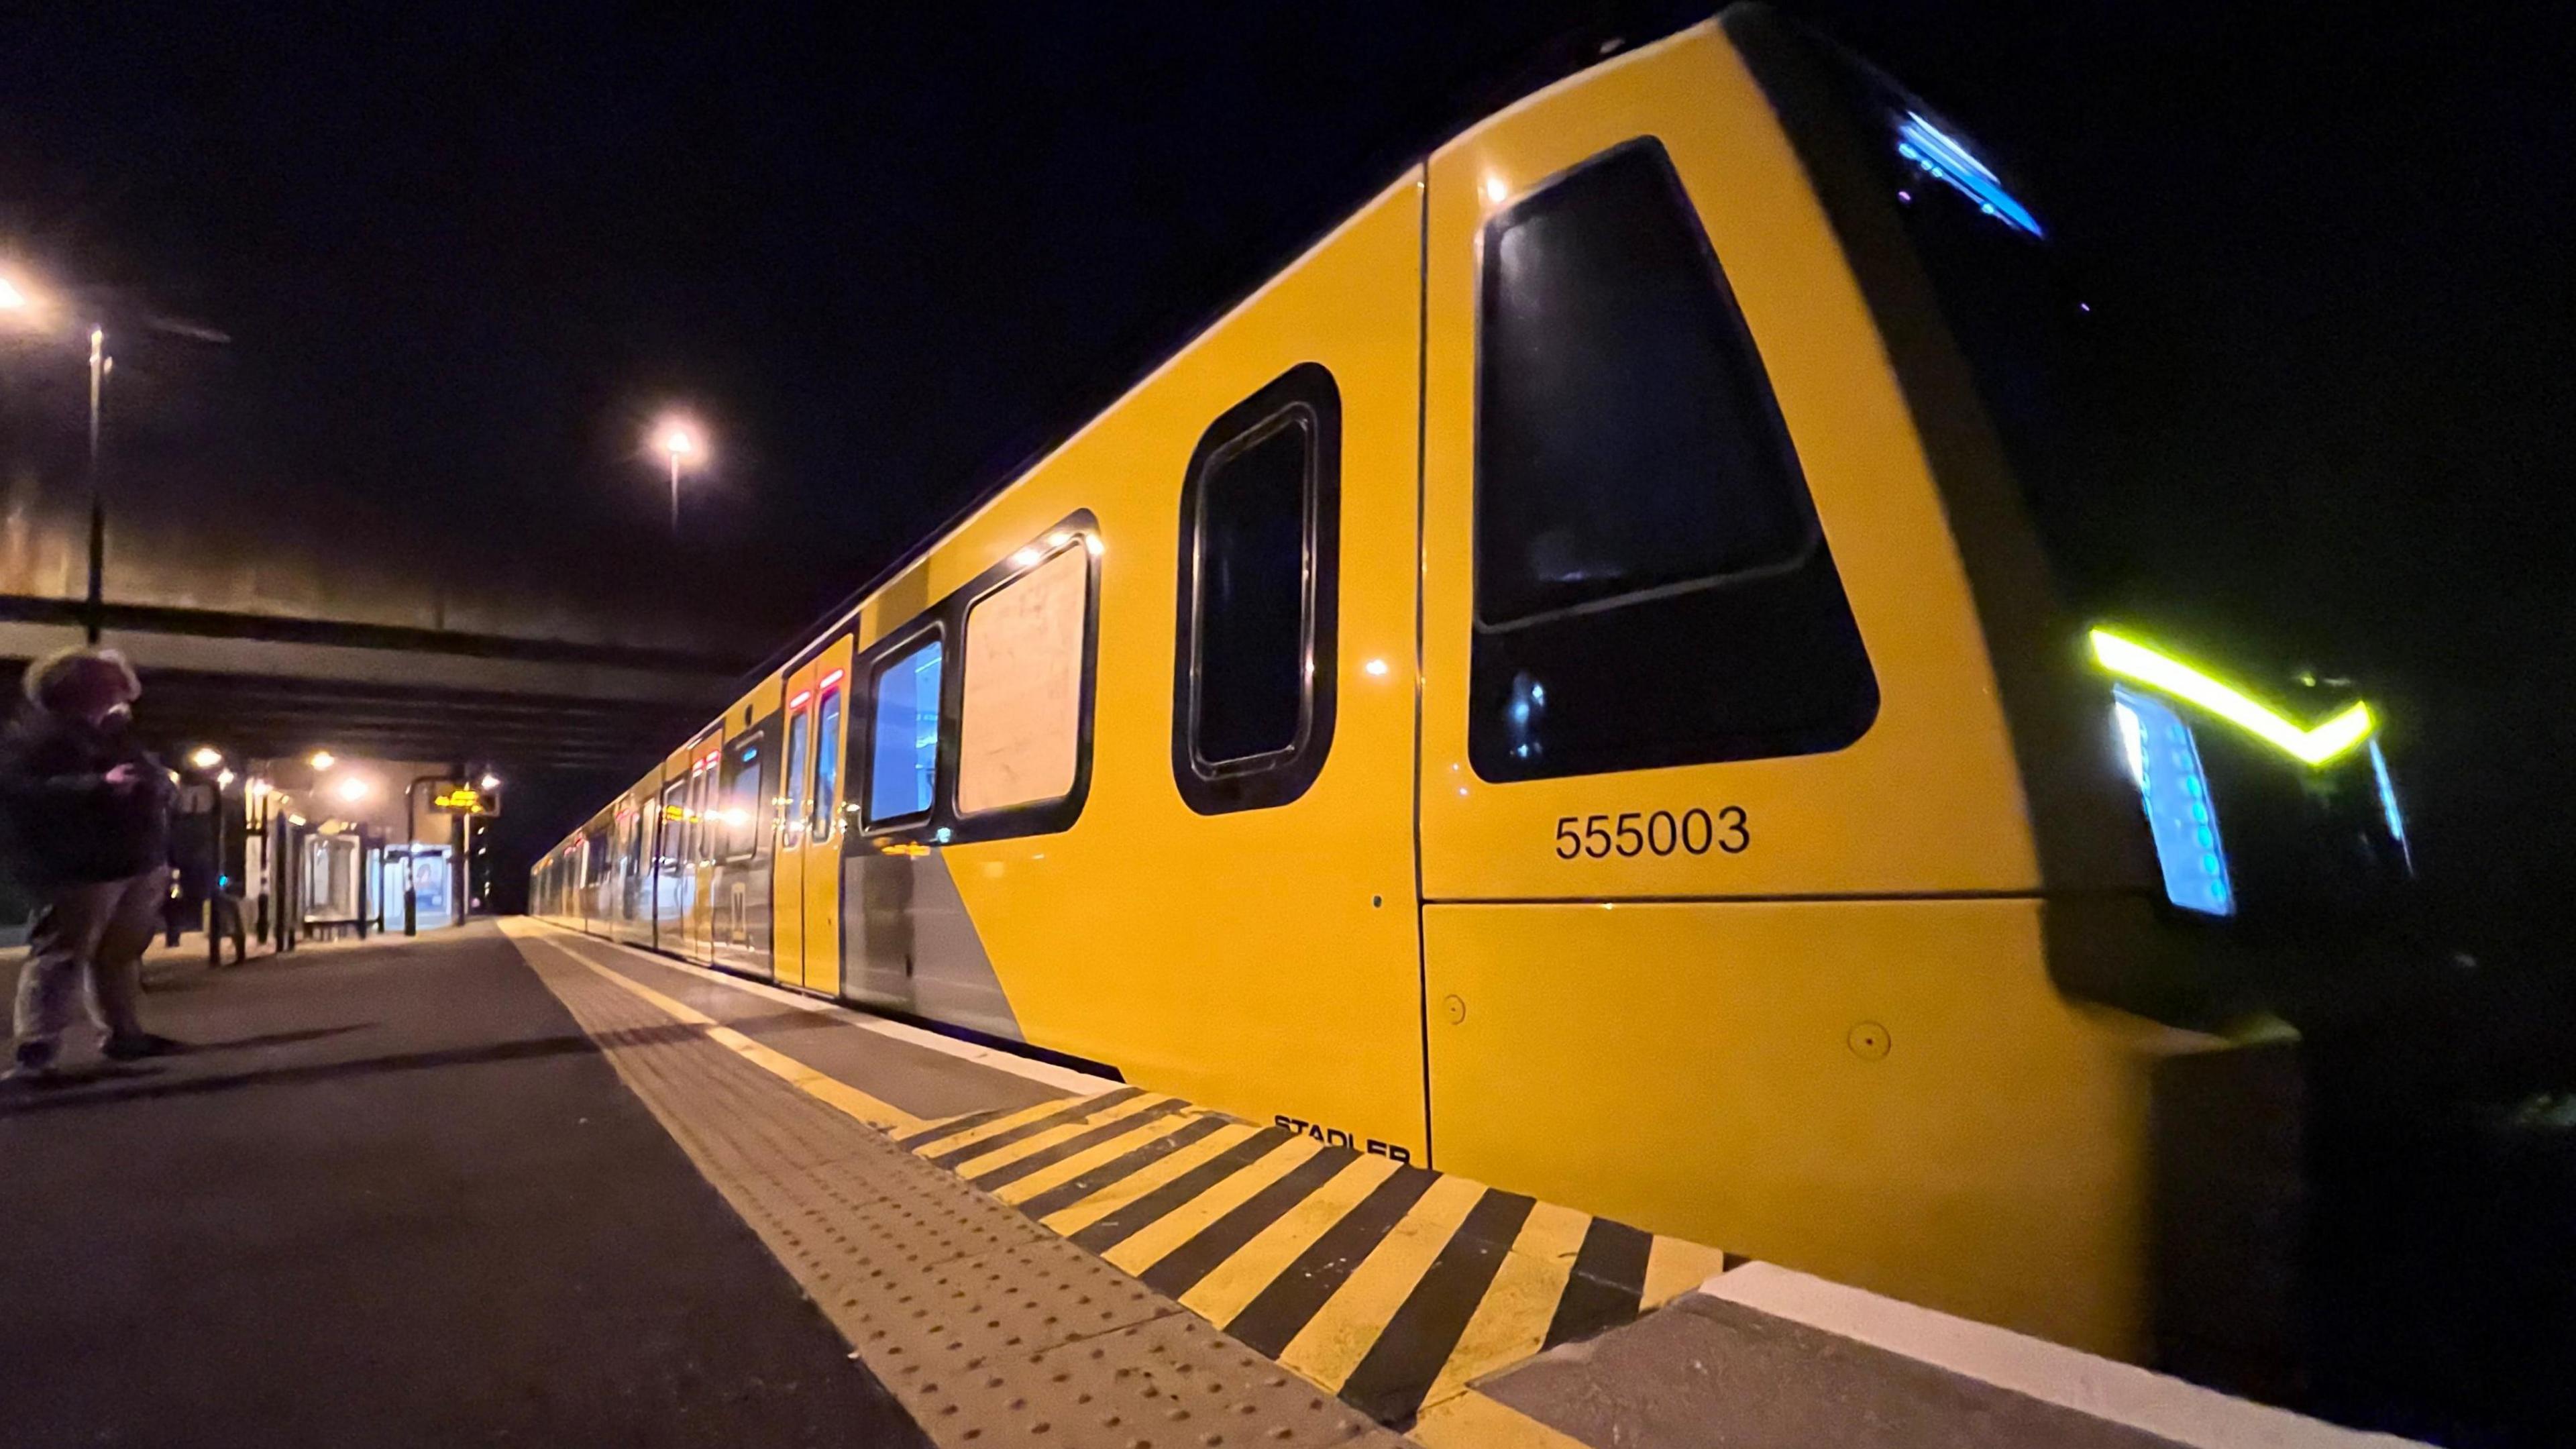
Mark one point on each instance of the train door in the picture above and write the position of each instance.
(697, 872)
(824, 821)
(635, 866)
(1730, 917)
(670, 834)
(787, 874)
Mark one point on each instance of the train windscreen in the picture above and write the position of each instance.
(2010, 300)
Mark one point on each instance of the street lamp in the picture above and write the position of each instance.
(206, 757)
(323, 760)
(679, 440)
(29, 307)
(489, 781)
(100, 365)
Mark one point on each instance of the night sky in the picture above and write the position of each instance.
(465, 253)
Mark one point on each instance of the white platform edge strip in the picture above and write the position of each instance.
(1046, 1073)
(2120, 1393)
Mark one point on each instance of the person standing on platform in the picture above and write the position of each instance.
(88, 815)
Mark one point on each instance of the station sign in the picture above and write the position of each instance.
(459, 798)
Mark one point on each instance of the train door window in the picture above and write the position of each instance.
(903, 735)
(674, 836)
(827, 758)
(744, 791)
(691, 807)
(791, 818)
(1019, 727)
(1652, 585)
(1252, 703)
(702, 830)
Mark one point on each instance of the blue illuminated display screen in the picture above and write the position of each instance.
(903, 763)
(2165, 761)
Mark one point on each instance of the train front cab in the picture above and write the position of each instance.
(1764, 825)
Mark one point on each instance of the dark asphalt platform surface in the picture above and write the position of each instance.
(396, 1197)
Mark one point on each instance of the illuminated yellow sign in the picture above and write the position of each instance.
(464, 799)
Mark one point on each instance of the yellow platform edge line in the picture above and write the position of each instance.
(830, 1090)
(995, 1127)
(1471, 1420)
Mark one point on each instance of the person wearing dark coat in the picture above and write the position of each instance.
(88, 816)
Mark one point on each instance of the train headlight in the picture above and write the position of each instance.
(2164, 760)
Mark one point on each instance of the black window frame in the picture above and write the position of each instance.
(929, 628)
(1811, 566)
(755, 833)
(1306, 391)
(670, 831)
(1035, 817)
(942, 825)
(796, 766)
(822, 821)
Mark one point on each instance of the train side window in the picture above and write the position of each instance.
(1652, 585)
(674, 835)
(903, 735)
(703, 835)
(1252, 698)
(791, 817)
(693, 812)
(744, 791)
(1019, 724)
(827, 760)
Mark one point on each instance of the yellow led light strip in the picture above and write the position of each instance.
(2133, 660)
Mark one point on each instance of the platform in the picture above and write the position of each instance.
(532, 1187)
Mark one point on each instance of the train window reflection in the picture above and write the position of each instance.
(1260, 521)
(792, 820)
(903, 742)
(1019, 724)
(1652, 586)
(1252, 597)
(827, 763)
(745, 792)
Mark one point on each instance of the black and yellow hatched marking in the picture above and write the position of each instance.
(1390, 1285)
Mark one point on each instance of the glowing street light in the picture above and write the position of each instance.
(323, 760)
(206, 757)
(13, 298)
(681, 441)
(489, 781)
(352, 788)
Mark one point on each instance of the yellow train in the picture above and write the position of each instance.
(1566, 682)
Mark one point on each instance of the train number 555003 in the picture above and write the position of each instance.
(1657, 832)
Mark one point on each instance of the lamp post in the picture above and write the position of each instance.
(100, 364)
(18, 302)
(679, 441)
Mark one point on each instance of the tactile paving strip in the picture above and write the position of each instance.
(988, 1328)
